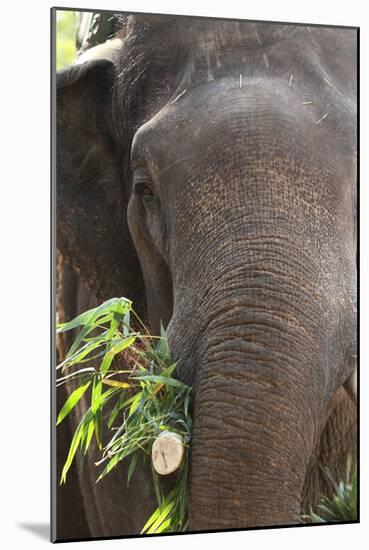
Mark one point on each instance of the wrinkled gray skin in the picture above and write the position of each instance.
(240, 196)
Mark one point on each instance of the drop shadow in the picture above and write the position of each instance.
(42, 530)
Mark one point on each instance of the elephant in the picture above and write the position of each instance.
(208, 173)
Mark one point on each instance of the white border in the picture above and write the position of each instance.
(24, 305)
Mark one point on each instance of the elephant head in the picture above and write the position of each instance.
(228, 151)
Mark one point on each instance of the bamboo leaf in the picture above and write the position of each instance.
(168, 371)
(72, 451)
(90, 432)
(162, 348)
(72, 401)
(135, 403)
(120, 305)
(76, 322)
(116, 410)
(132, 467)
(163, 527)
(186, 403)
(161, 379)
(79, 372)
(115, 383)
(113, 326)
(126, 323)
(111, 464)
(164, 512)
(151, 520)
(82, 352)
(116, 348)
(96, 395)
(98, 427)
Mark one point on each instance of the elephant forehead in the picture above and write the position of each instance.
(259, 118)
(191, 113)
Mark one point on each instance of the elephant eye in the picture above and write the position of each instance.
(141, 183)
(143, 190)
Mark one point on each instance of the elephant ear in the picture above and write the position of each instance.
(91, 223)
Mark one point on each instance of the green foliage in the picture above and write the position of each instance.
(146, 400)
(341, 507)
(65, 38)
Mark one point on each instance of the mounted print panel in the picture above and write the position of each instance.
(205, 266)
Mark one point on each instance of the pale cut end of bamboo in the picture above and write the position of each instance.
(167, 453)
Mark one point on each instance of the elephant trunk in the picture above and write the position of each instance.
(257, 396)
(251, 445)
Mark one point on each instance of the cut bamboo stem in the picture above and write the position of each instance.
(167, 453)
